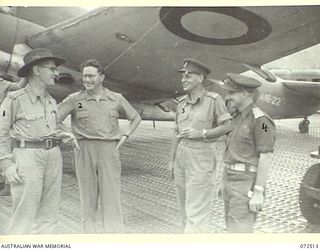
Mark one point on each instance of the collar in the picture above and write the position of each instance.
(33, 95)
(107, 94)
(246, 109)
(197, 98)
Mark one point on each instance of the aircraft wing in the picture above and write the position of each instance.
(307, 88)
(143, 47)
(45, 16)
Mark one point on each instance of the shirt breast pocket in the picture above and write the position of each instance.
(31, 119)
(34, 123)
(245, 143)
(82, 117)
(200, 122)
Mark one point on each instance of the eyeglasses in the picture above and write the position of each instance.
(52, 68)
(91, 77)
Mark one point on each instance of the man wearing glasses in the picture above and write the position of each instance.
(94, 120)
(28, 117)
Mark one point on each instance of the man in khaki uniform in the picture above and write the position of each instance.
(34, 168)
(94, 120)
(247, 155)
(7, 85)
(201, 118)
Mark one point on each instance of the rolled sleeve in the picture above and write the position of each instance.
(264, 132)
(220, 111)
(223, 118)
(129, 111)
(7, 113)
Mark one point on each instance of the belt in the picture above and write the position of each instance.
(242, 167)
(48, 143)
(197, 144)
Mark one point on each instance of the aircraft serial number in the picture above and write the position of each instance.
(274, 100)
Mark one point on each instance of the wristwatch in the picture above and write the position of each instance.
(204, 134)
(126, 135)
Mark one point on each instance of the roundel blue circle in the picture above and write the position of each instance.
(257, 27)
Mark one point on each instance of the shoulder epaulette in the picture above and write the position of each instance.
(211, 94)
(115, 93)
(257, 112)
(15, 94)
(181, 98)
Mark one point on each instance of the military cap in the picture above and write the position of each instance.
(238, 83)
(35, 56)
(194, 66)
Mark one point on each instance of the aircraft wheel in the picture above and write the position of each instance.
(304, 126)
(310, 207)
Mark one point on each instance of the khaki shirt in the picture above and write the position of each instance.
(204, 112)
(92, 119)
(253, 132)
(24, 115)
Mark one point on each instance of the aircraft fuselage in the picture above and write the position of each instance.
(280, 102)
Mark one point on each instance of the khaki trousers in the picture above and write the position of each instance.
(35, 202)
(193, 170)
(236, 185)
(98, 171)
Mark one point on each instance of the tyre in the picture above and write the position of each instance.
(310, 207)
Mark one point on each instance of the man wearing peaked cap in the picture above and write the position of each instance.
(247, 155)
(201, 118)
(195, 66)
(34, 167)
(238, 83)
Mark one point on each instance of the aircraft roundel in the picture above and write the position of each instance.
(256, 28)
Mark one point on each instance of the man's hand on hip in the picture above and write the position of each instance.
(122, 141)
